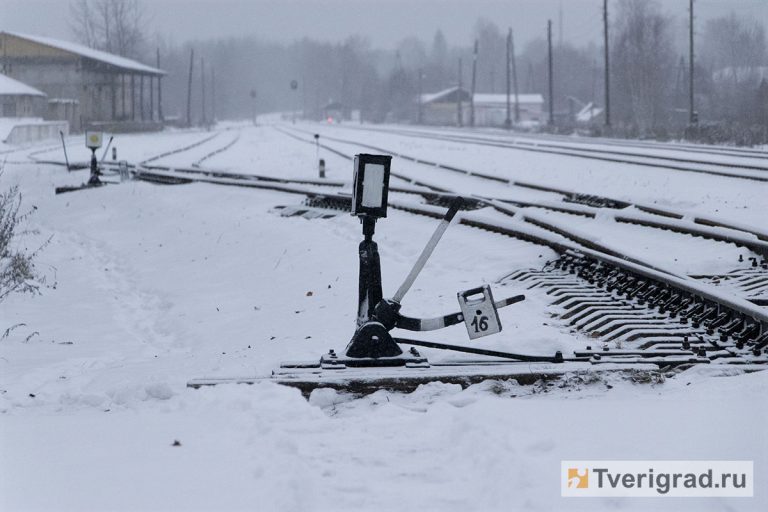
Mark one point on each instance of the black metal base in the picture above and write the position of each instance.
(373, 341)
(410, 359)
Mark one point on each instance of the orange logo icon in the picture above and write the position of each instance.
(578, 480)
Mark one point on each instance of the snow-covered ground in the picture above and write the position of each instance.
(150, 286)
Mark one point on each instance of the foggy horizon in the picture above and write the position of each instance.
(577, 22)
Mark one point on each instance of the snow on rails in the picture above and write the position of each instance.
(641, 316)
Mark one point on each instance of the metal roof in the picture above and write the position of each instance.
(89, 53)
(482, 98)
(11, 87)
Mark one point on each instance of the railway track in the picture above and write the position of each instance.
(626, 310)
(732, 169)
(728, 151)
(592, 205)
(630, 311)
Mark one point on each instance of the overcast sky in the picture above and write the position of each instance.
(384, 21)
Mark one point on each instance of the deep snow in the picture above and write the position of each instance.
(155, 285)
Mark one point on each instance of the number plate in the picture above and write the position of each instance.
(479, 311)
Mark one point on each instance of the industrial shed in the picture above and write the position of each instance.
(99, 88)
(20, 100)
(441, 108)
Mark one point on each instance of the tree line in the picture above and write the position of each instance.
(648, 71)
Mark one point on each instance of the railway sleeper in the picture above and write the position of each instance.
(595, 323)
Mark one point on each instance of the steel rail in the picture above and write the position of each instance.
(758, 245)
(563, 149)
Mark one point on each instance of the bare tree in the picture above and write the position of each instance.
(730, 42)
(643, 58)
(116, 26)
(734, 50)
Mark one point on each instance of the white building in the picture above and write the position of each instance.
(441, 108)
(21, 114)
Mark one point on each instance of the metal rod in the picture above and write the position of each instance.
(485, 352)
(456, 204)
(64, 145)
(104, 155)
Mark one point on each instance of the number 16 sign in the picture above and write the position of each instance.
(479, 311)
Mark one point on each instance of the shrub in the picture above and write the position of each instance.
(17, 268)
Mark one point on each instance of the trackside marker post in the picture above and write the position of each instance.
(372, 345)
(93, 141)
(373, 359)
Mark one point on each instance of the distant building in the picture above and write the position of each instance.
(441, 108)
(335, 111)
(21, 114)
(20, 100)
(86, 87)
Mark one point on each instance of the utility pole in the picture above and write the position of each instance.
(189, 87)
(692, 113)
(508, 120)
(607, 66)
(459, 115)
(551, 85)
(514, 75)
(474, 82)
(159, 89)
(421, 93)
(213, 95)
(202, 91)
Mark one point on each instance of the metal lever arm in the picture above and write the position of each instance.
(456, 205)
(431, 324)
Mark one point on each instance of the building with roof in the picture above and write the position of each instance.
(21, 114)
(86, 87)
(442, 108)
(20, 100)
